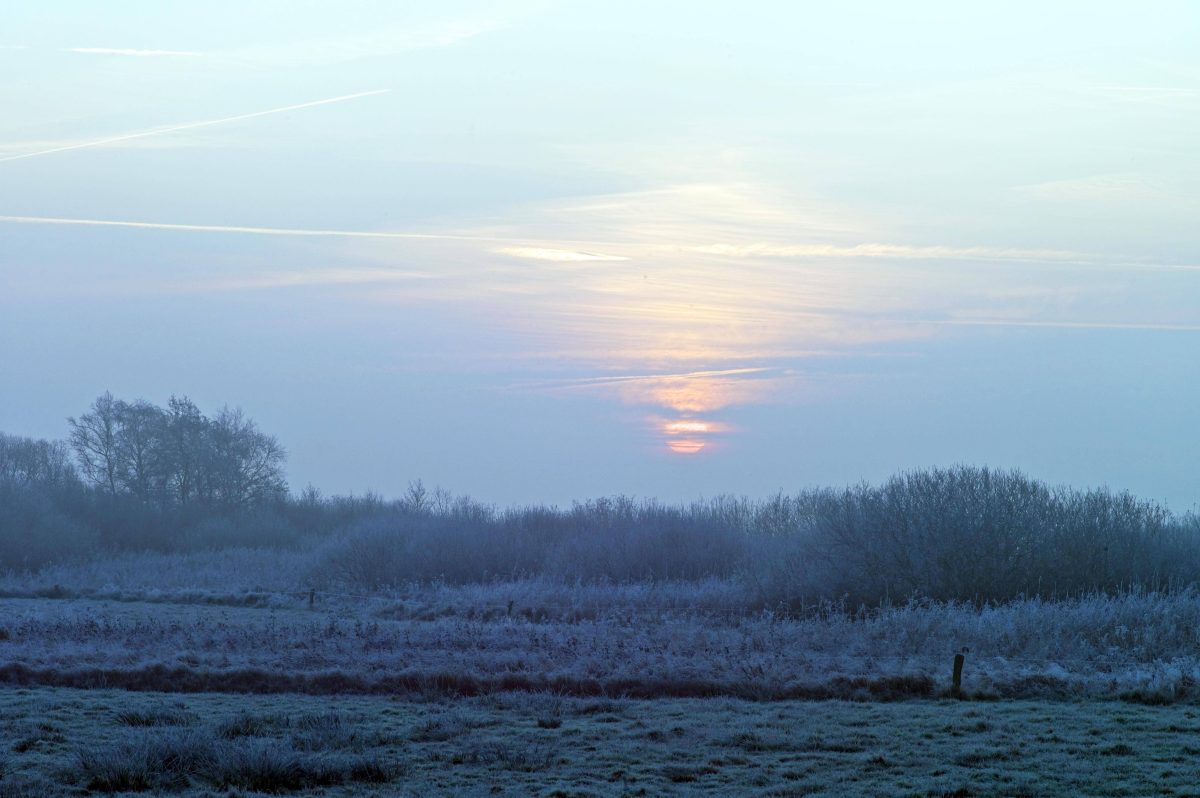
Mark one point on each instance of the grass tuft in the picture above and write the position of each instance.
(175, 760)
(157, 717)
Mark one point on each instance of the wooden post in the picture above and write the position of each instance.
(956, 679)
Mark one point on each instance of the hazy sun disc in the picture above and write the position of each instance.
(677, 427)
(685, 445)
(688, 435)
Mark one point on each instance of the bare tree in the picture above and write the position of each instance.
(140, 448)
(26, 461)
(243, 466)
(184, 440)
(94, 437)
(178, 456)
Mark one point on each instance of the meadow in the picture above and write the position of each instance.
(66, 741)
(643, 640)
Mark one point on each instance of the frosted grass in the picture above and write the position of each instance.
(1136, 645)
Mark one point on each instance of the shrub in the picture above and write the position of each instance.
(263, 527)
(35, 531)
(967, 534)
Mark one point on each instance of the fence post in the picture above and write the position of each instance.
(956, 679)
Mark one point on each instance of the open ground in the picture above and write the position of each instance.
(67, 741)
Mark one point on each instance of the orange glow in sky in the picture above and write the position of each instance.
(688, 435)
(685, 445)
(676, 427)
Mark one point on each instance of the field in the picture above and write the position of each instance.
(72, 741)
(100, 624)
(393, 657)
(219, 673)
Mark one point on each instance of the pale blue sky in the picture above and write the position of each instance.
(673, 249)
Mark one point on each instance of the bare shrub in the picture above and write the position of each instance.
(967, 534)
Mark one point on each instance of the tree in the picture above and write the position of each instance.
(184, 440)
(140, 449)
(177, 456)
(244, 466)
(94, 437)
(27, 462)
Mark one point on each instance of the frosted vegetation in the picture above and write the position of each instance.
(72, 742)
(159, 548)
(1139, 647)
(134, 478)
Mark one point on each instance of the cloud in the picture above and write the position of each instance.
(317, 52)
(560, 255)
(747, 221)
(388, 41)
(685, 395)
(687, 435)
(272, 280)
(689, 214)
(1165, 96)
(1122, 192)
(129, 51)
(1053, 324)
(685, 392)
(877, 250)
(192, 125)
(627, 378)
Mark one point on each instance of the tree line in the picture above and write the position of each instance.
(132, 474)
(176, 455)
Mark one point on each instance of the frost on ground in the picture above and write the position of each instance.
(613, 641)
(548, 687)
(61, 741)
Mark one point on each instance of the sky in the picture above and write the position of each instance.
(545, 251)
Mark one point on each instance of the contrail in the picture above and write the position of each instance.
(125, 51)
(656, 377)
(258, 231)
(282, 231)
(191, 125)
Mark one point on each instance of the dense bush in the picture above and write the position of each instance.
(35, 531)
(973, 534)
(39, 498)
(967, 534)
(610, 539)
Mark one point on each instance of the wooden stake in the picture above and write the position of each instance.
(956, 686)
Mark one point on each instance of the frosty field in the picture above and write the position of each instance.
(75, 741)
(627, 691)
(218, 673)
(634, 641)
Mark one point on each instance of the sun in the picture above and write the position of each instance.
(688, 435)
(686, 445)
(679, 427)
